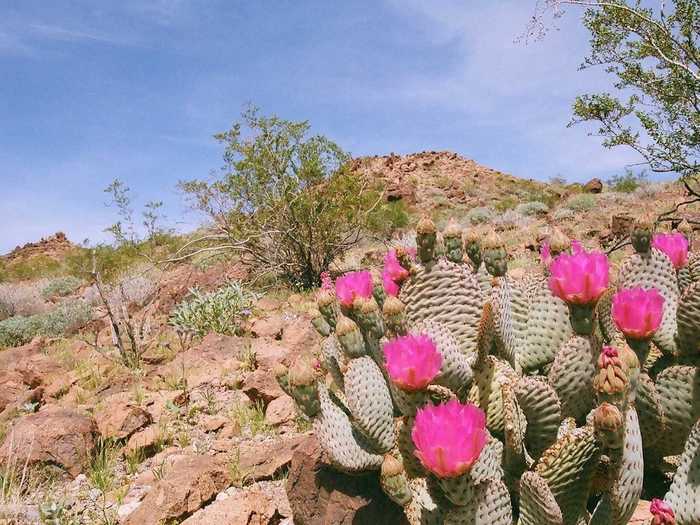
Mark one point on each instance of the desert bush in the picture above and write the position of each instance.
(23, 298)
(64, 319)
(627, 182)
(480, 215)
(221, 311)
(532, 208)
(388, 217)
(563, 214)
(511, 220)
(37, 267)
(287, 202)
(61, 286)
(582, 202)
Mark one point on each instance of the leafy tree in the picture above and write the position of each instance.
(285, 201)
(651, 49)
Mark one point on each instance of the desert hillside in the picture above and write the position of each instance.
(199, 431)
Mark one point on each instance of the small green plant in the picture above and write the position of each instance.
(563, 214)
(627, 182)
(61, 286)
(582, 202)
(507, 203)
(133, 460)
(249, 358)
(236, 473)
(251, 417)
(533, 208)
(101, 471)
(221, 311)
(480, 215)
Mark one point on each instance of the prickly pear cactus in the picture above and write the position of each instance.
(479, 399)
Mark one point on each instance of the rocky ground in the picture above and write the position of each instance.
(202, 433)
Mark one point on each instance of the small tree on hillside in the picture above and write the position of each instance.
(651, 49)
(285, 201)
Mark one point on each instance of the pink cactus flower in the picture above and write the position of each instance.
(638, 312)
(412, 361)
(608, 356)
(674, 245)
(353, 285)
(662, 512)
(449, 437)
(546, 254)
(576, 247)
(580, 278)
(390, 286)
(393, 267)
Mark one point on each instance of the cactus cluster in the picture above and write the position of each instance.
(480, 399)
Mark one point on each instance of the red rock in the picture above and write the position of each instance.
(641, 515)
(269, 352)
(144, 442)
(262, 461)
(280, 411)
(247, 507)
(119, 418)
(593, 186)
(54, 435)
(300, 335)
(319, 494)
(261, 386)
(270, 326)
(188, 485)
(212, 423)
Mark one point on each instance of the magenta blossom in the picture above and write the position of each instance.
(580, 278)
(412, 361)
(674, 245)
(638, 312)
(449, 437)
(576, 247)
(662, 512)
(390, 286)
(353, 285)
(393, 267)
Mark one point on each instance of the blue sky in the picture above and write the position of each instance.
(94, 90)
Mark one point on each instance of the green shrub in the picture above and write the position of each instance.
(220, 311)
(533, 208)
(582, 202)
(61, 286)
(62, 320)
(388, 217)
(480, 215)
(505, 204)
(563, 214)
(628, 182)
(33, 268)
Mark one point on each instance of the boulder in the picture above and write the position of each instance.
(55, 435)
(320, 495)
(187, 486)
(593, 186)
(269, 326)
(119, 418)
(247, 507)
(144, 442)
(280, 411)
(261, 386)
(621, 224)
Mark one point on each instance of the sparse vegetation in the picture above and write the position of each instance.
(627, 182)
(480, 215)
(582, 202)
(533, 208)
(62, 320)
(61, 286)
(251, 417)
(221, 311)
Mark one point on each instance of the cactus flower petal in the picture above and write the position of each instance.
(580, 278)
(662, 512)
(353, 285)
(638, 312)
(674, 245)
(412, 361)
(449, 437)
